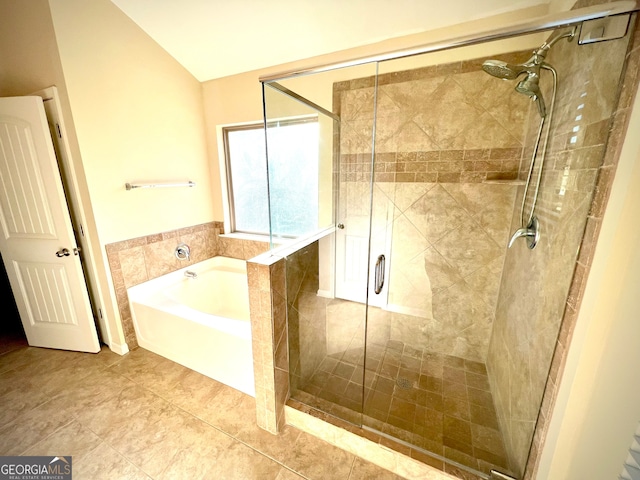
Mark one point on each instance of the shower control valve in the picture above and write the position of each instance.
(183, 252)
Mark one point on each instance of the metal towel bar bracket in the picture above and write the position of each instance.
(131, 186)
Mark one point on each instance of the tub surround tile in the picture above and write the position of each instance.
(268, 329)
(229, 247)
(133, 267)
(141, 259)
(159, 258)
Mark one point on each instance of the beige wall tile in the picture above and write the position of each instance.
(525, 335)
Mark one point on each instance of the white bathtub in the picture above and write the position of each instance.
(201, 323)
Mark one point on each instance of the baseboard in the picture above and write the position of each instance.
(120, 349)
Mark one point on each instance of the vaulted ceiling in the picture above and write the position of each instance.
(217, 38)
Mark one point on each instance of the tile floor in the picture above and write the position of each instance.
(438, 403)
(141, 416)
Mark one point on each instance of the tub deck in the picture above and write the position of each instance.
(202, 323)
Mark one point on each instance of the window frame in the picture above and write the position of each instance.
(227, 174)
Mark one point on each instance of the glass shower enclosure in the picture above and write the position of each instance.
(409, 315)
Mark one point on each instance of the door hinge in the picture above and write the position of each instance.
(100, 313)
(81, 230)
(58, 130)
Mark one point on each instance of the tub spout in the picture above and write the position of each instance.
(531, 232)
(190, 274)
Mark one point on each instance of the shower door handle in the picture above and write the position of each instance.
(379, 274)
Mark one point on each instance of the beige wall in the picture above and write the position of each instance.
(133, 114)
(29, 63)
(138, 116)
(598, 404)
(36, 55)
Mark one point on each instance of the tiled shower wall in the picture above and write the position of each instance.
(140, 259)
(606, 172)
(449, 141)
(535, 283)
(306, 314)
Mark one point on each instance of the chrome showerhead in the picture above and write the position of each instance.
(530, 86)
(503, 70)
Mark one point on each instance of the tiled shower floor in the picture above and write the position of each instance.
(439, 403)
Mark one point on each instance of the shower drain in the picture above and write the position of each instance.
(404, 383)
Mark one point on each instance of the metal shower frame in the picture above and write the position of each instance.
(539, 24)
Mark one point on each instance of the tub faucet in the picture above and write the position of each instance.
(190, 274)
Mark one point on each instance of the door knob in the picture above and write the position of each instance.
(63, 253)
(341, 226)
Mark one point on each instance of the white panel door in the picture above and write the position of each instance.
(354, 262)
(352, 245)
(36, 236)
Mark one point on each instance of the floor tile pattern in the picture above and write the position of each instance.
(438, 403)
(141, 416)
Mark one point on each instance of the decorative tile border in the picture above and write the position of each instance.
(436, 166)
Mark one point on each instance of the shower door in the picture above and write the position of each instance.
(448, 145)
(459, 343)
(410, 316)
(326, 272)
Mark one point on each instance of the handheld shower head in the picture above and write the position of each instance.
(530, 86)
(503, 70)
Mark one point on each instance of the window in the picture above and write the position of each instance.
(293, 177)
